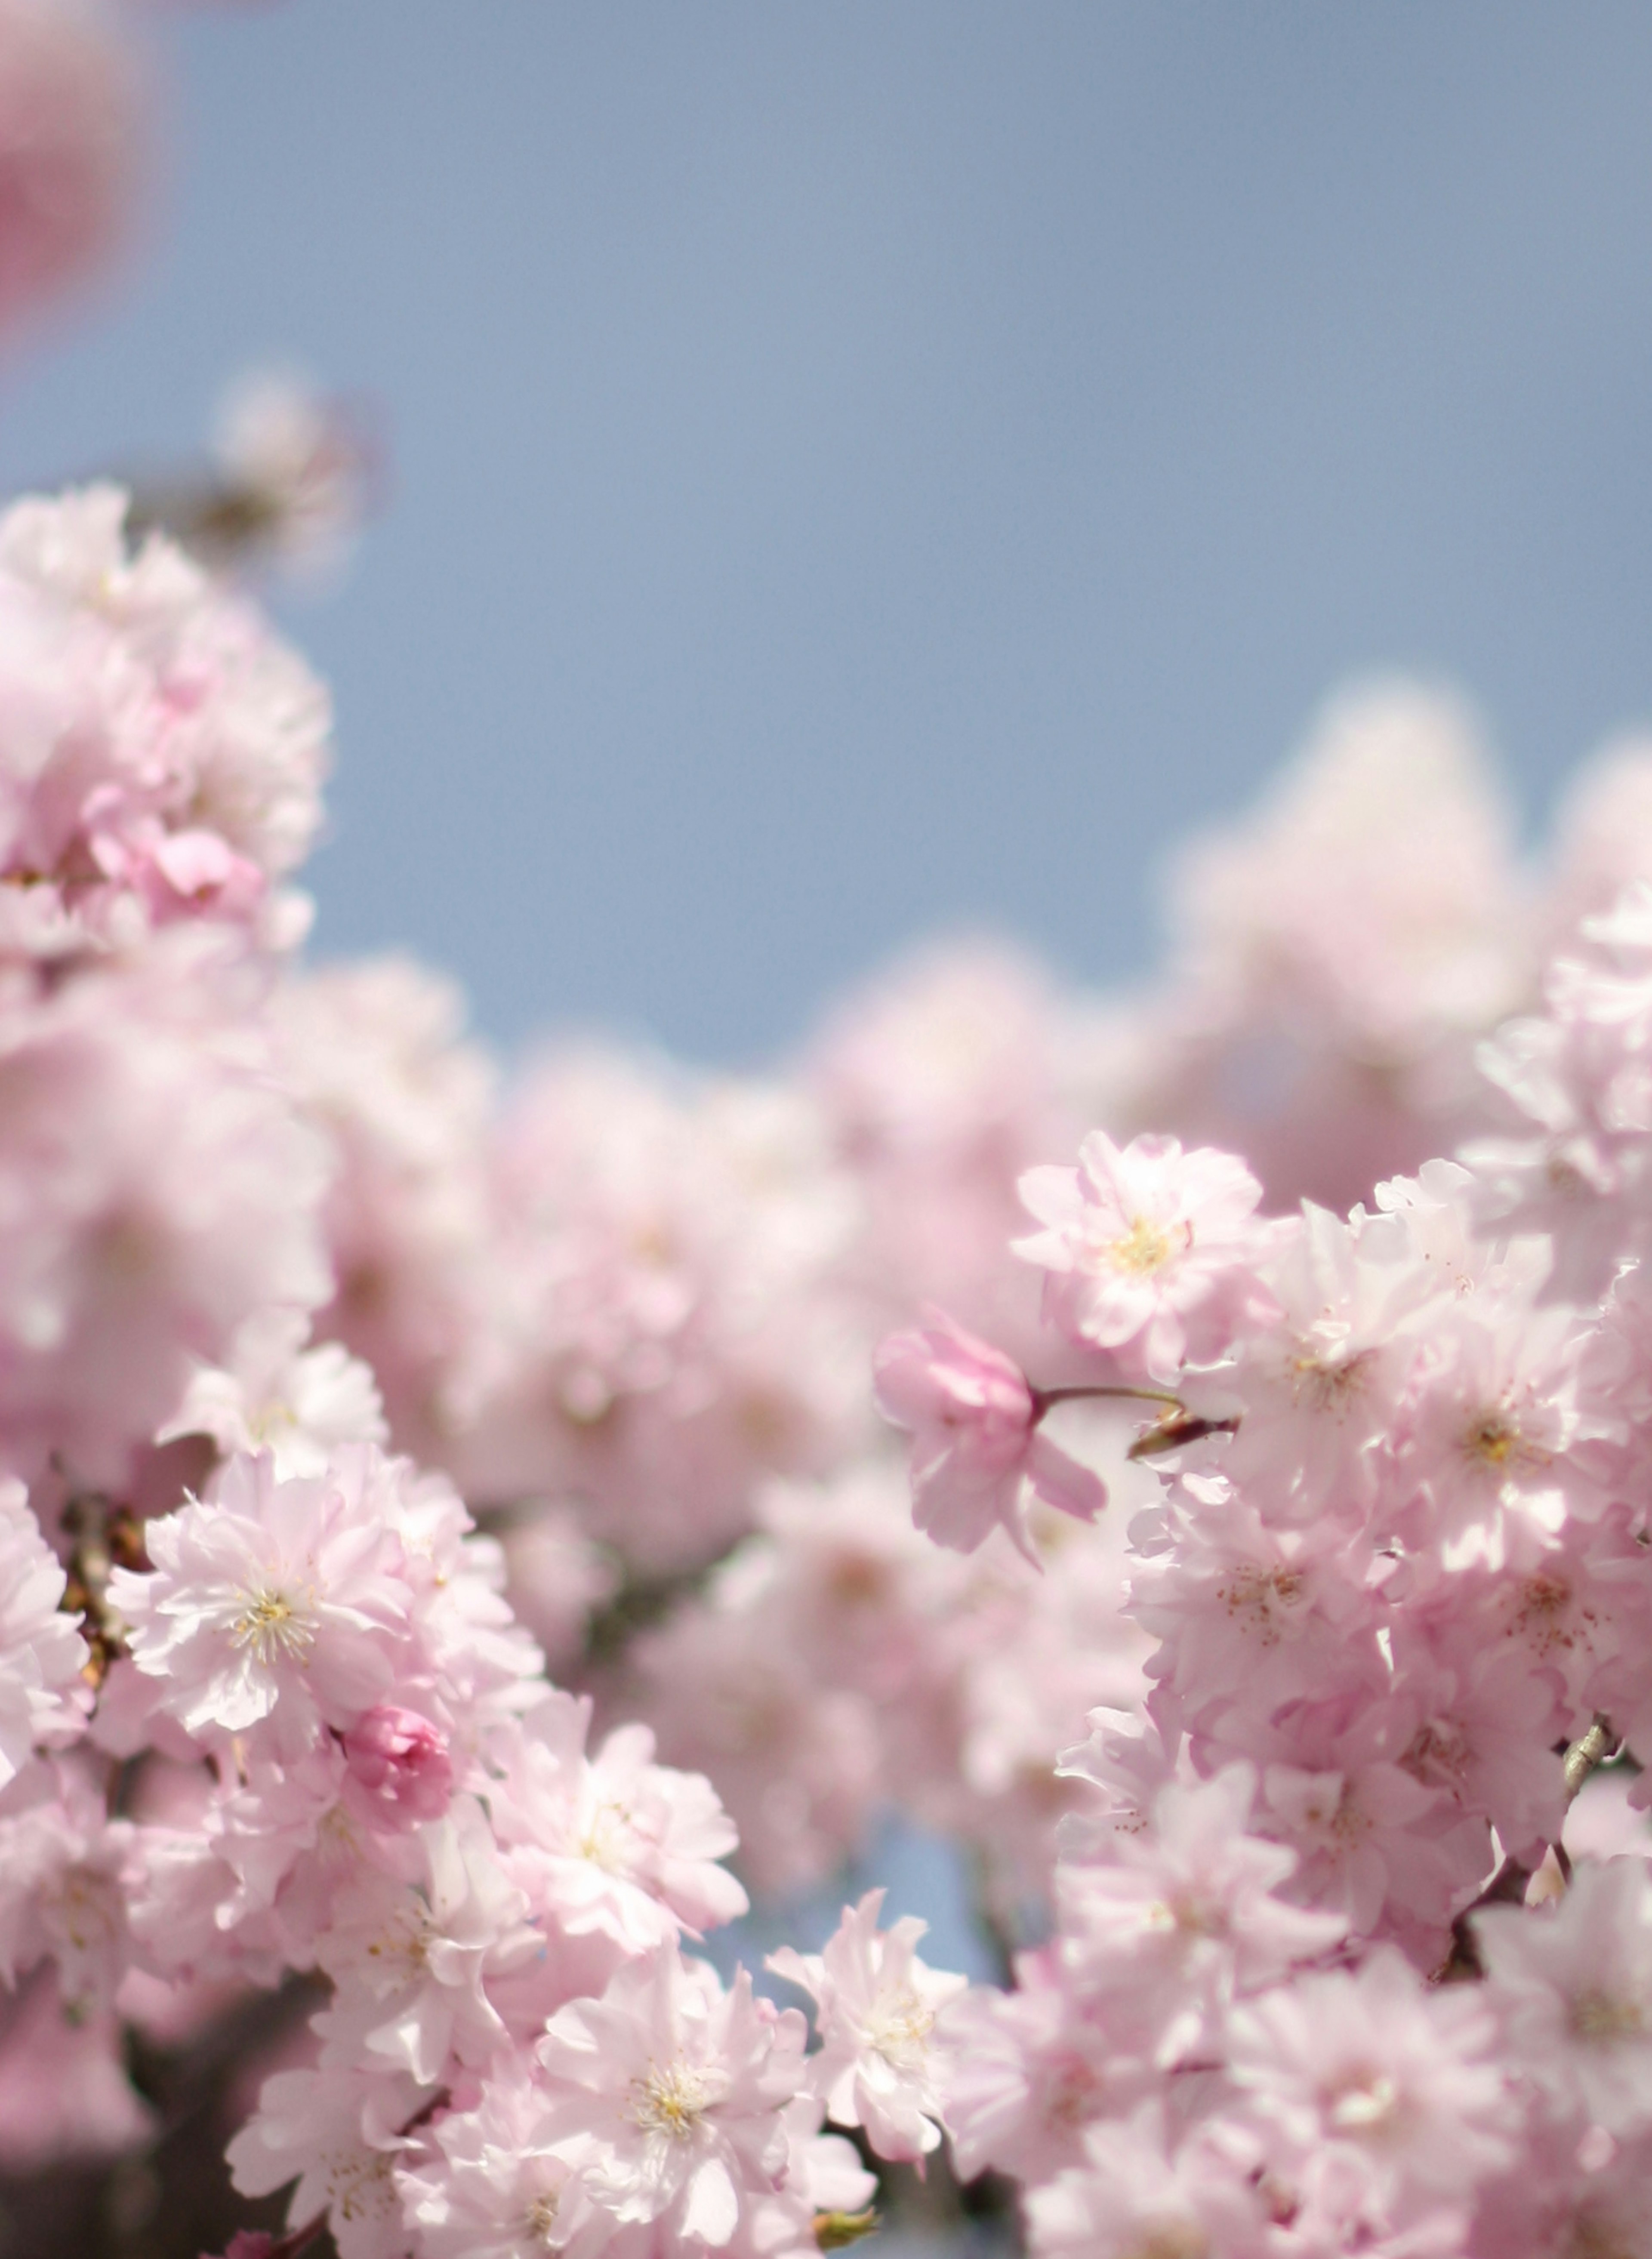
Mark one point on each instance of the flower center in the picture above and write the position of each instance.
(1144, 1248)
(1168, 2239)
(1264, 1595)
(1190, 1914)
(276, 1629)
(1367, 2103)
(359, 2185)
(542, 2218)
(672, 2099)
(88, 1908)
(1330, 1384)
(1495, 1441)
(900, 2028)
(606, 1839)
(402, 1951)
(1439, 1754)
(1597, 2017)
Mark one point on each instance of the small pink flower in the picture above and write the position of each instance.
(876, 2005)
(973, 1418)
(398, 1770)
(1150, 1251)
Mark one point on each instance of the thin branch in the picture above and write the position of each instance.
(1044, 1398)
(1590, 1749)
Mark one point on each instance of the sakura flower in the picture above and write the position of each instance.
(679, 2089)
(1373, 1840)
(976, 1440)
(64, 1871)
(1575, 1993)
(499, 2185)
(1150, 1252)
(826, 2192)
(1132, 2199)
(409, 1962)
(1386, 2098)
(1485, 1434)
(1319, 1386)
(798, 1762)
(167, 764)
(1245, 1612)
(299, 465)
(1185, 1917)
(157, 1189)
(876, 2005)
(1126, 1759)
(338, 2134)
(1484, 1730)
(40, 1651)
(611, 1842)
(234, 1880)
(277, 1395)
(377, 1053)
(271, 1601)
(69, 135)
(1021, 2073)
(559, 1579)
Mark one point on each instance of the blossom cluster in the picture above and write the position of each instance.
(347, 1391)
(268, 1720)
(454, 1542)
(1335, 1966)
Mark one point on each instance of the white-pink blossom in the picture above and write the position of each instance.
(876, 2004)
(610, 1842)
(43, 1698)
(1574, 1992)
(274, 1601)
(679, 2088)
(1149, 1252)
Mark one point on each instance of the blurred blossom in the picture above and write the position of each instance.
(71, 148)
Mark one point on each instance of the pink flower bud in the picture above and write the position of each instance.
(398, 1770)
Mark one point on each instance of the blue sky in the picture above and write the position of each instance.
(860, 468)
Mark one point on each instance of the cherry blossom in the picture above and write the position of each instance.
(876, 2005)
(452, 1565)
(678, 2086)
(273, 1600)
(1150, 1252)
(974, 1424)
(71, 135)
(41, 1653)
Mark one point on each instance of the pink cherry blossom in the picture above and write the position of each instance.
(273, 1600)
(610, 1842)
(1150, 1252)
(1575, 1993)
(42, 1696)
(337, 2134)
(876, 2005)
(1380, 2100)
(500, 2184)
(678, 2088)
(976, 1438)
(70, 148)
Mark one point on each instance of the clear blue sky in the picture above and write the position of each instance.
(865, 466)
